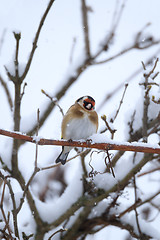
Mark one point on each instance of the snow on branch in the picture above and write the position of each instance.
(108, 145)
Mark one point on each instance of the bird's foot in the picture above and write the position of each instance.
(89, 141)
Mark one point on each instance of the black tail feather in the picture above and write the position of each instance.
(62, 157)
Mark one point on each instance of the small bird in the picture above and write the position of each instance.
(80, 122)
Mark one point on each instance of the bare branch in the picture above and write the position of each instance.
(85, 28)
(112, 131)
(2, 210)
(36, 40)
(7, 93)
(129, 209)
(135, 209)
(126, 50)
(110, 163)
(155, 101)
(53, 100)
(146, 100)
(16, 63)
(72, 49)
(102, 146)
(58, 231)
(138, 203)
(149, 171)
(68, 160)
(2, 39)
(25, 84)
(115, 23)
(120, 104)
(15, 222)
(122, 52)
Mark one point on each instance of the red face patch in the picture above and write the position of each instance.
(88, 103)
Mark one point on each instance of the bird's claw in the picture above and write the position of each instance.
(88, 141)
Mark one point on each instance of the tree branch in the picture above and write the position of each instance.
(142, 147)
(85, 28)
(3, 212)
(7, 92)
(36, 40)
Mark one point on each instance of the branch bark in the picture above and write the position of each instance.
(145, 148)
(85, 28)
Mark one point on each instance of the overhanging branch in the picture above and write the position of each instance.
(145, 148)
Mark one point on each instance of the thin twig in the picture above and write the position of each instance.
(2, 39)
(136, 213)
(147, 100)
(125, 50)
(129, 209)
(155, 101)
(117, 15)
(2, 210)
(6, 90)
(110, 163)
(93, 172)
(154, 67)
(23, 91)
(36, 40)
(148, 172)
(115, 23)
(68, 160)
(36, 156)
(145, 111)
(53, 100)
(14, 212)
(14, 204)
(112, 131)
(16, 63)
(58, 231)
(120, 104)
(72, 49)
(85, 28)
(26, 189)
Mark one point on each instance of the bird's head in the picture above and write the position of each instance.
(86, 102)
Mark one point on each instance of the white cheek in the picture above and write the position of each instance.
(88, 106)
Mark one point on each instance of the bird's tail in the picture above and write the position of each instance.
(62, 157)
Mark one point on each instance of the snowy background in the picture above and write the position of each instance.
(53, 62)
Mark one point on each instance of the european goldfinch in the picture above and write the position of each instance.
(80, 122)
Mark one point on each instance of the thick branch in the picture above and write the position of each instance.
(87, 144)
